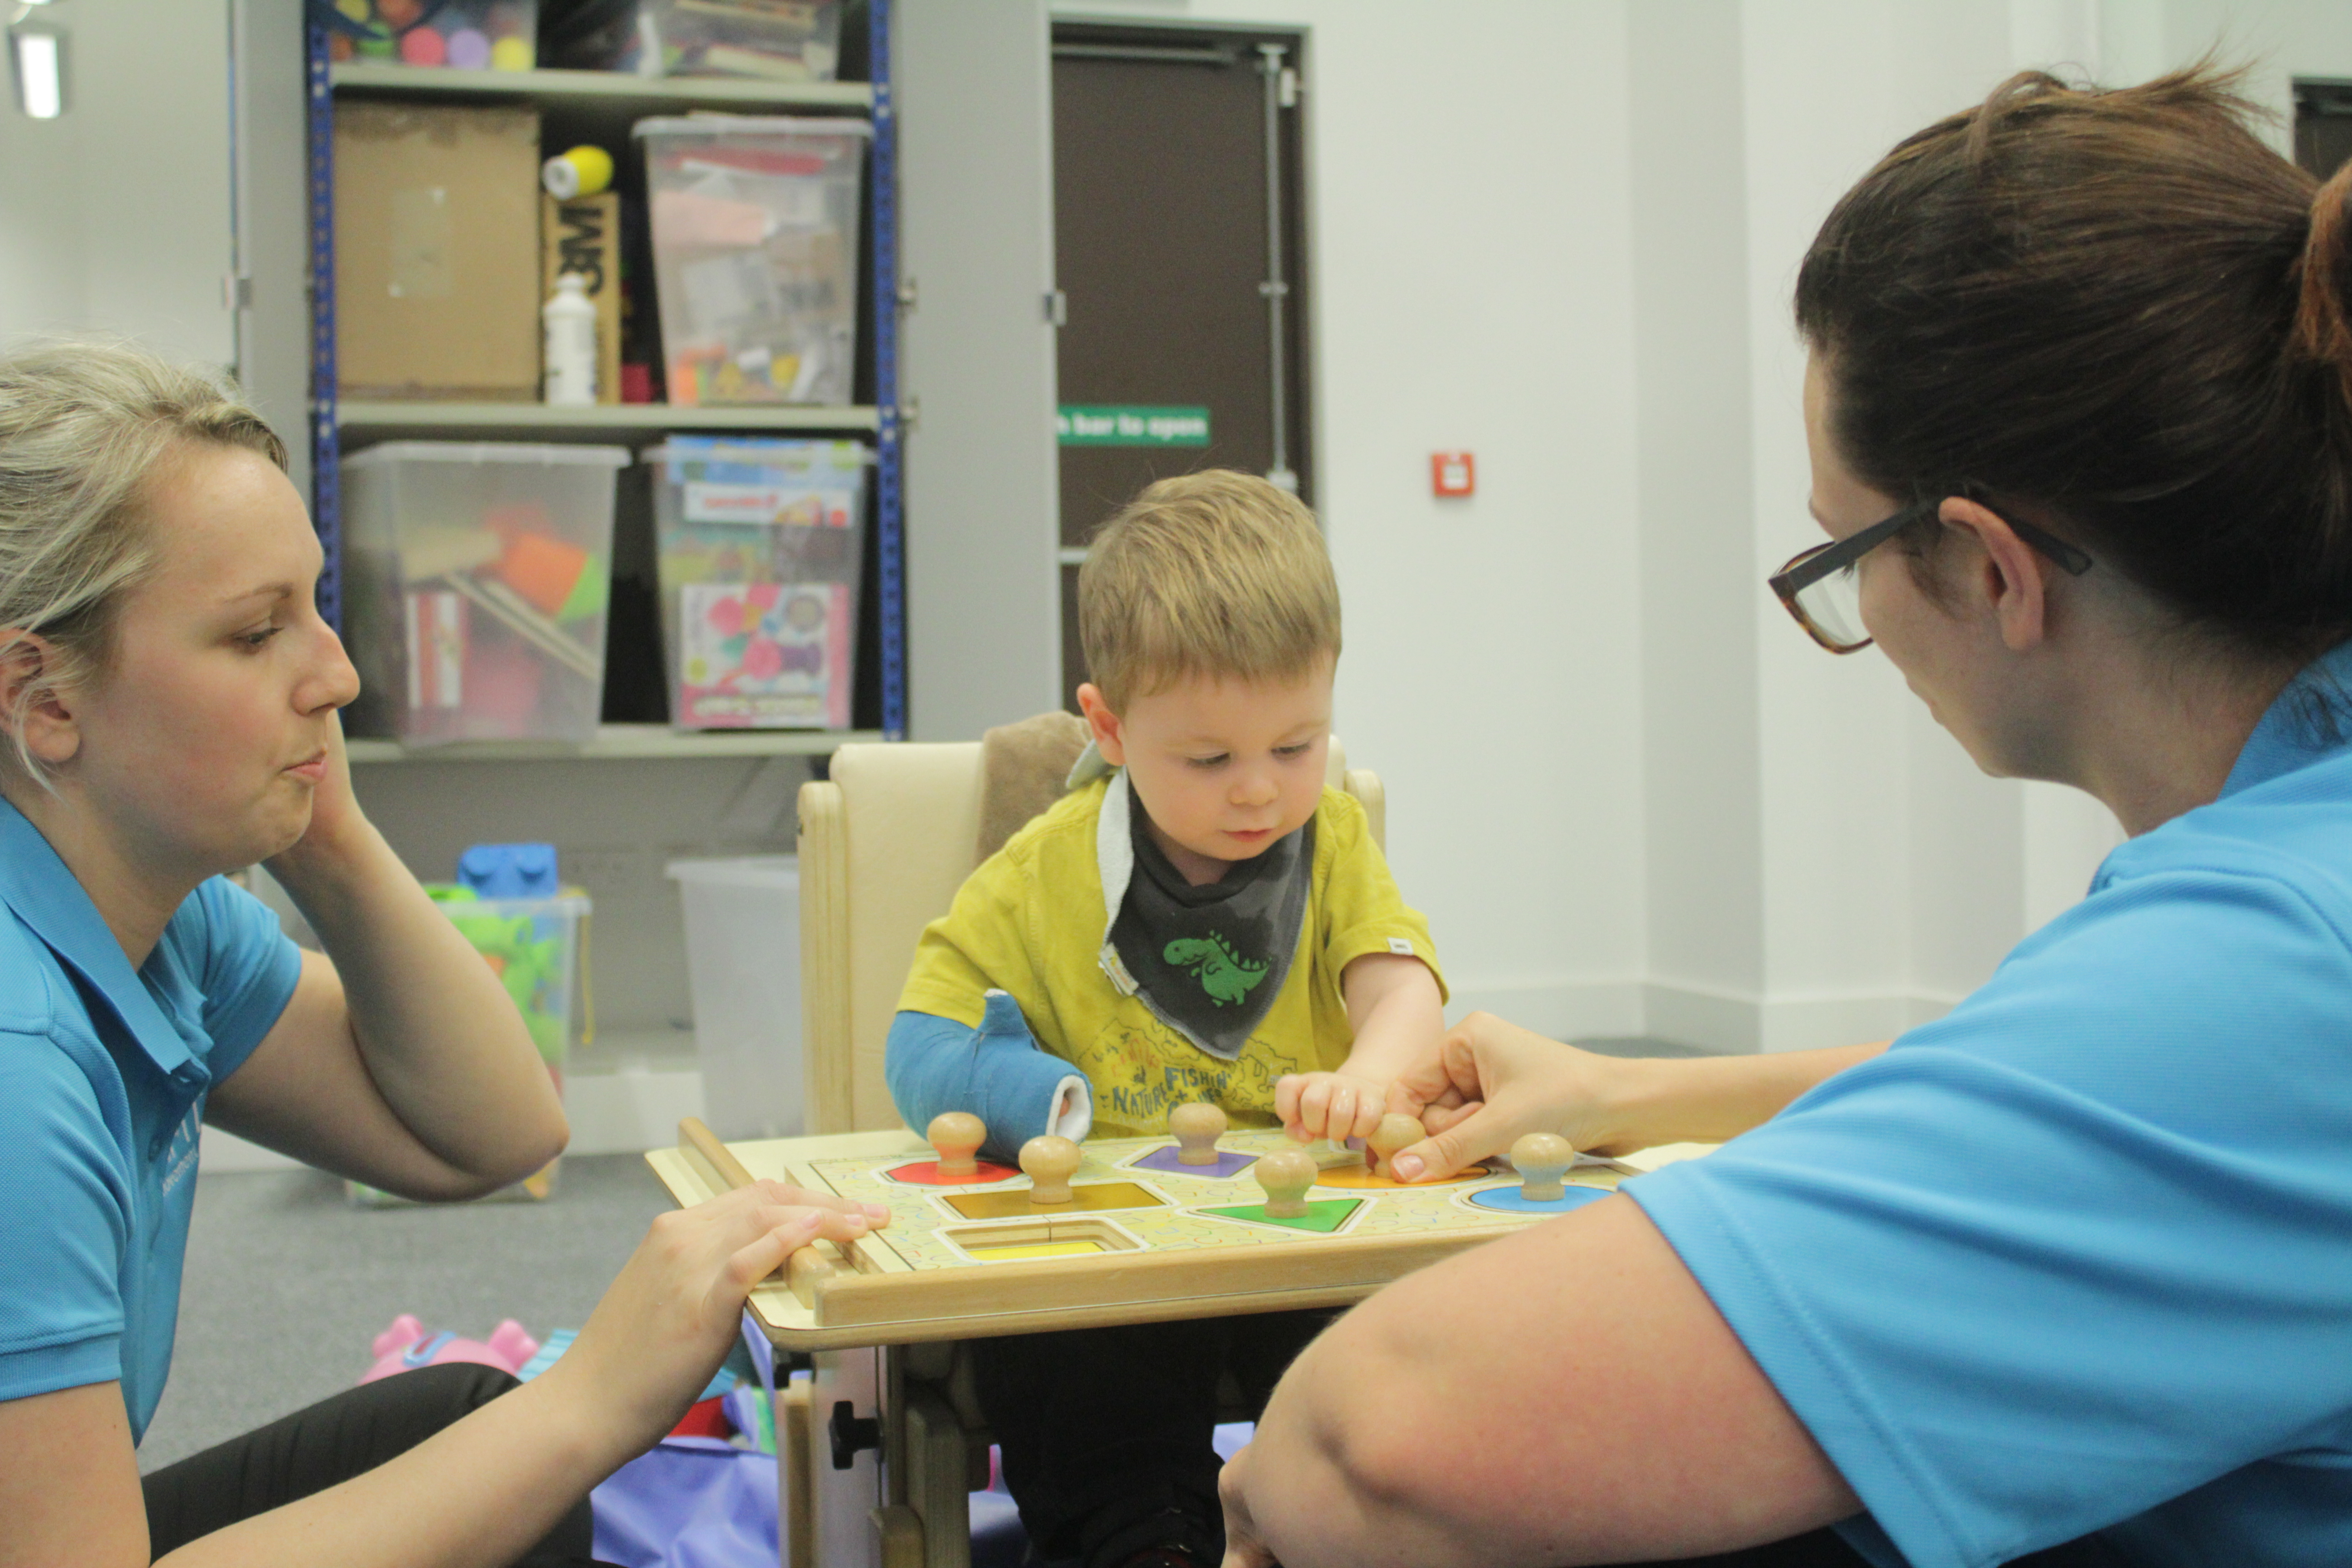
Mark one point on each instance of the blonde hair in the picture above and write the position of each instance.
(84, 427)
(1215, 575)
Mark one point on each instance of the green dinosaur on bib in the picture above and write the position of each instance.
(1224, 974)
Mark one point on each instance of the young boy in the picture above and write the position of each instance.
(1199, 919)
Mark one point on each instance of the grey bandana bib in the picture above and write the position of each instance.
(1207, 961)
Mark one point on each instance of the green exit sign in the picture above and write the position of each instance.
(1127, 425)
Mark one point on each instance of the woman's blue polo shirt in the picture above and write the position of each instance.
(103, 1074)
(2077, 1257)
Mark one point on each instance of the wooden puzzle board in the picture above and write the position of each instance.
(937, 1272)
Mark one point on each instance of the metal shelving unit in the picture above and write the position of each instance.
(652, 94)
(646, 417)
(621, 743)
(330, 418)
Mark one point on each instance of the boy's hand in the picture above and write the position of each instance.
(1333, 1105)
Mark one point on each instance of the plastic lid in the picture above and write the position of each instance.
(545, 456)
(739, 870)
(755, 124)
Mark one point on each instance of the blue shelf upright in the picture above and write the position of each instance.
(889, 515)
(326, 442)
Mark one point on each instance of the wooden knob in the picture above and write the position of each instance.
(1285, 1174)
(957, 1135)
(1197, 1126)
(1048, 1161)
(1542, 1159)
(1393, 1133)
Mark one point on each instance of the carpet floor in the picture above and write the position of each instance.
(287, 1283)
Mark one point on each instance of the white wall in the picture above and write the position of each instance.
(1630, 794)
(116, 216)
(1470, 191)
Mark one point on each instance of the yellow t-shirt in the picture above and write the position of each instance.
(1030, 921)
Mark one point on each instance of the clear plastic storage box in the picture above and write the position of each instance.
(777, 40)
(476, 584)
(469, 34)
(760, 544)
(743, 959)
(534, 946)
(755, 255)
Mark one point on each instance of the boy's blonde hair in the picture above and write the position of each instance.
(1215, 575)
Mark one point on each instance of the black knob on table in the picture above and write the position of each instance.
(851, 1433)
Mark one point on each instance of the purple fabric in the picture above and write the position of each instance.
(690, 1502)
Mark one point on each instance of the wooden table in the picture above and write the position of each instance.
(1151, 1242)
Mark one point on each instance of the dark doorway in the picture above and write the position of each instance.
(2323, 125)
(1170, 147)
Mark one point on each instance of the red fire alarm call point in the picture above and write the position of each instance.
(1453, 474)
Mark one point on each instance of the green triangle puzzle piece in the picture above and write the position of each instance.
(1323, 1215)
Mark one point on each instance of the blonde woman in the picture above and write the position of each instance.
(168, 698)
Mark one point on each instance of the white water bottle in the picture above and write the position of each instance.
(571, 320)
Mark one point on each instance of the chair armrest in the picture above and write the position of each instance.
(827, 1067)
(1362, 782)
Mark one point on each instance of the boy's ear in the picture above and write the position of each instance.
(30, 703)
(1109, 740)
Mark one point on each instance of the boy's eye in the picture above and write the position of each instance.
(1298, 749)
(1216, 762)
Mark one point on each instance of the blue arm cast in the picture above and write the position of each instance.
(997, 1072)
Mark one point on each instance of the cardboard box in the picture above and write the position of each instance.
(436, 252)
(584, 236)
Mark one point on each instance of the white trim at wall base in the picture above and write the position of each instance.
(629, 1111)
(624, 1113)
(1725, 1021)
(1563, 1009)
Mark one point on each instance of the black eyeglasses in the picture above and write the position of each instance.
(1822, 589)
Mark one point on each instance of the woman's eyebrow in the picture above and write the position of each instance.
(266, 591)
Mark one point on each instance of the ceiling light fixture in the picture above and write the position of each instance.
(37, 58)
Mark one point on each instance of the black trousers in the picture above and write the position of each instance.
(1823, 1549)
(1100, 1427)
(328, 1443)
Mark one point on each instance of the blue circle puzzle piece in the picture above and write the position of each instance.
(1509, 1200)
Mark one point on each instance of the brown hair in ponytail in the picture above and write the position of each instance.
(2121, 312)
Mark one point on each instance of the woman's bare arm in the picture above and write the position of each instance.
(1495, 1080)
(1566, 1394)
(400, 1060)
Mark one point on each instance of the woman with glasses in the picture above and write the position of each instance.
(2066, 1276)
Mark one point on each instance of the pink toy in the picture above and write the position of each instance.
(406, 1346)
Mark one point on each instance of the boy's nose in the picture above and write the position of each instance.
(1254, 789)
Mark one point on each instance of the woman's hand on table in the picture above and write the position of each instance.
(1493, 1081)
(668, 1319)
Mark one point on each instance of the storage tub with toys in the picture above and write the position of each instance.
(467, 35)
(760, 543)
(537, 946)
(775, 41)
(755, 255)
(476, 582)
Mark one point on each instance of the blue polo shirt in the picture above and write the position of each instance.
(103, 1074)
(2077, 1257)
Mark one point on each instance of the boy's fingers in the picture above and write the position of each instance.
(1285, 1098)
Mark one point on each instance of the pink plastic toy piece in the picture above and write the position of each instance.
(406, 1346)
(424, 47)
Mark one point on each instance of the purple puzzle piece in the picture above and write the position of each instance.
(1229, 1164)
